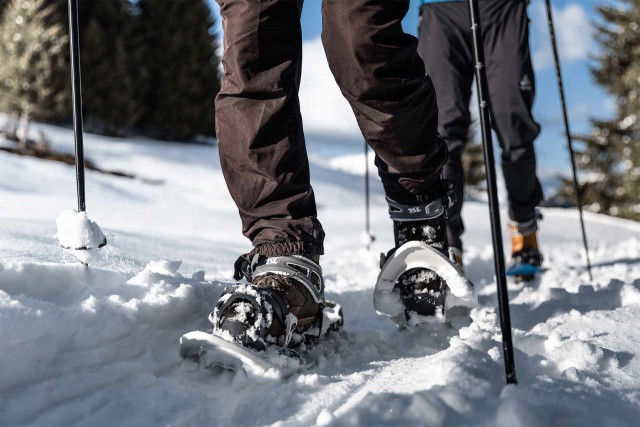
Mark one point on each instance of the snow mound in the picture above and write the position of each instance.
(90, 326)
(574, 353)
(169, 268)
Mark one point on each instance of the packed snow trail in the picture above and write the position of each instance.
(99, 345)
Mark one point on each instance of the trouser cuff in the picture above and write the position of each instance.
(273, 249)
(524, 228)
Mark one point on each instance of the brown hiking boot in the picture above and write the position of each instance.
(284, 299)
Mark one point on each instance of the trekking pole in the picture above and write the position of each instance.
(76, 92)
(496, 233)
(370, 238)
(576, 186)
(86, 225)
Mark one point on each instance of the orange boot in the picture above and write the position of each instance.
(526, 258)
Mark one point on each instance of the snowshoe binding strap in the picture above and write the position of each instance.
(298, 267)
(455, 255)
(291, 322)
(384, 257)
(406, 213)
(250, 325)
(242, 266)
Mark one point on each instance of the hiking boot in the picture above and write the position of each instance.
(284, 299)
(525, 253)
(422, 290)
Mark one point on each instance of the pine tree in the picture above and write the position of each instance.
(611, 156)
(181, 60)
(34, 50)
(110, 83)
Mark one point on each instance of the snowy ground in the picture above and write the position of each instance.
(99, 345)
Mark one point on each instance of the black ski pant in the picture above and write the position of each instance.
(446, 47)
(259, 127)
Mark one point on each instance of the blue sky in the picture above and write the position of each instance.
(574, 27)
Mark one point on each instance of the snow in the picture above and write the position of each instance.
(78, 234)
(99, 345)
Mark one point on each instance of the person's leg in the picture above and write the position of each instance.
(265, 166)
(445, 40)
(259, 127)
(377, 67)
(512, 91)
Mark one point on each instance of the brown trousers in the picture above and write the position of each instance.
(259, 126)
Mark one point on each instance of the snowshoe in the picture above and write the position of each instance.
(418, 282)
(525, 265)
(526, 259)
(266, 327)
(451, 295)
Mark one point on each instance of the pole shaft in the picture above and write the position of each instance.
(490, 171)
(567, 128)
(77, 101)
(366, 194)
